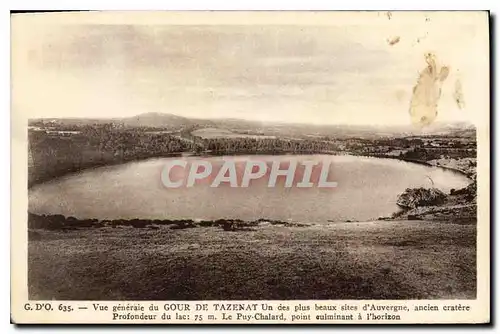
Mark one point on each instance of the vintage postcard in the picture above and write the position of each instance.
(250, 167)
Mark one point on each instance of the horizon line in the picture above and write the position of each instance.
(250, 120)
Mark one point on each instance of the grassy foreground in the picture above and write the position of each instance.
(379, 260)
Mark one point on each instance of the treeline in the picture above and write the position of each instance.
(426, 154)
(268, 145)
(53, 155)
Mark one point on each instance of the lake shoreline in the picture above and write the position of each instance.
(425, 163)
(63, 223)
(348, 162)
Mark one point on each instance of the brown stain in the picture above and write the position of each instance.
(427, 92)
(393, 40)
(389, 15)
(458, 94)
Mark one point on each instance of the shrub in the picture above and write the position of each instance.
(415, 197)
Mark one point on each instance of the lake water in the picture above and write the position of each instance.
(367, 189)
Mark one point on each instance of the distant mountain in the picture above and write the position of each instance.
(154, 119)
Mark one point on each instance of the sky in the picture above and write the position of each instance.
(323, 68)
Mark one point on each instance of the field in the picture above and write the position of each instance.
(208, 133)
(379, 260)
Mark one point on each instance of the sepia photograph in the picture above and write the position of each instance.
(295, 156)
